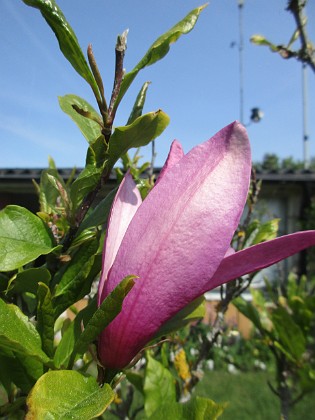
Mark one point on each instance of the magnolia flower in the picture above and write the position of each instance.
(177, 242)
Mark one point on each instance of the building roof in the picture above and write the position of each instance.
(27, 174)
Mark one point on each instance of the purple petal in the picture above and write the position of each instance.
(260, 256)
(177, 239)
(175, 154)
(126, 203)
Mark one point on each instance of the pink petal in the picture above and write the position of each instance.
(126, 203)
(175, 154)
(260, 256)
(177, 239)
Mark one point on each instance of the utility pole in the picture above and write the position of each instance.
(240, 50)
(306, 145)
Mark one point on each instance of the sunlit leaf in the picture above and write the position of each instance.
(198, 408)
(67, 394)
(18, 334)
(89, 128)
(160, 48)
(140, 133)
(159, 386)
(23, 238)
(68, 42)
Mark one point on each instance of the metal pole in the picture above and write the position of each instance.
(240, 49)
(306, 145)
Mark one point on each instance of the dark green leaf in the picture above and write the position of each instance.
(99, 215)
(159, 386)
(89, 128)
(67, 394)
(45, 318)
(160, 48)
(194, 311)
(290, 335)
(143, 130)
(71, 335)
(76, 277)
(85, 183)
(136, 379)
(27, 281)
(97, 153)
(107, 311)
(248, 310)
(18, 334)
(23, 371)
(23, 238)
(12, 371)
(67, 39)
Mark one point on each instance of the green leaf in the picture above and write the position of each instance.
(261, 40)
(159, 386)
(139, 104)
(136, 379)
(27, 281)
(62, 190)
(108, 310)
(67, 39)
(48, 192)
(71, 335)
(90, 129)
(45, 318)
(193, 312)
(198, 408)
(76, 276)
(23, 238)
(97, 153)
(21, 370)
(160, 48)
(99, 215)
(12, 371)
(248, 310)
(18, 334)
(267, 231)
(143, 130)
(290, 335)
(85, 183)
(67, 394)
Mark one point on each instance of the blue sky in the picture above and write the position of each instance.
(197, 83)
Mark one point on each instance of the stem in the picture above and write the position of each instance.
(283, 390)
(97, 75)
(153, 156)
(120, 50)
(307, 52)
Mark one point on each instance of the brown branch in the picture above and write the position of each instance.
(120, 50)
(97, 75)
(307, 53)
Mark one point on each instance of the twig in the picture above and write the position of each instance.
(307, 53)
(120, 50)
